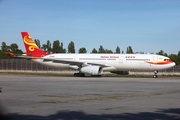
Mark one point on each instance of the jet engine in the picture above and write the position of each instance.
(92, 70)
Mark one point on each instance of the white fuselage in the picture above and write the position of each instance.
(112, 62)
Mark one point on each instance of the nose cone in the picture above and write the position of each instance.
(172, 63)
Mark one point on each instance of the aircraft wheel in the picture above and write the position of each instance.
(95, 75)
(79, 74)
(74, 74)
(155, 76)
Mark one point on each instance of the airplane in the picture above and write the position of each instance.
(96, 64)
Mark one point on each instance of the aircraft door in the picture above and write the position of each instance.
(155, 59)
(75, 58)
(121, 59)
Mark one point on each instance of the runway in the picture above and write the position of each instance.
(89, 98)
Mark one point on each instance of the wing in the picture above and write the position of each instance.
(65, 61)
(74, 62)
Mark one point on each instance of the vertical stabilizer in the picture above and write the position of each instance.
(31, 48)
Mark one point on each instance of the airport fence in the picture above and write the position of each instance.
(29, 65)
(25, 65)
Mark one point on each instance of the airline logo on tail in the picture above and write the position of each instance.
(31, 48)
(29, 42)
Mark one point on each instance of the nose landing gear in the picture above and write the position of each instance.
(155, 74)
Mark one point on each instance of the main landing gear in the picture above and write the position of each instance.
(83, 75)
(155, 74)
(79, 75)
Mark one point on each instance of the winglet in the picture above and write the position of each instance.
(31, 48)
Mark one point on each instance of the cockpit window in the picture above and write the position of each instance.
(166, 59)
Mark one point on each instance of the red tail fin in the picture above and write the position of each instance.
(31, 48)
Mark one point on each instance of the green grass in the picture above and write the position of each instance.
(71, 74)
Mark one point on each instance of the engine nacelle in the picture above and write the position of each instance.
(92, 70)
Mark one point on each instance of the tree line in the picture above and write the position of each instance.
(57, 47)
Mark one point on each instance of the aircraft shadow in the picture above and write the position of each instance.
(167, 114)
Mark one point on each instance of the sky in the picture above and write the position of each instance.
(146, 26)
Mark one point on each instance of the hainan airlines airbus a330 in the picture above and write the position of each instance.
(95, 64)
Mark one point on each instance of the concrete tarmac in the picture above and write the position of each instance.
(89, 98)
